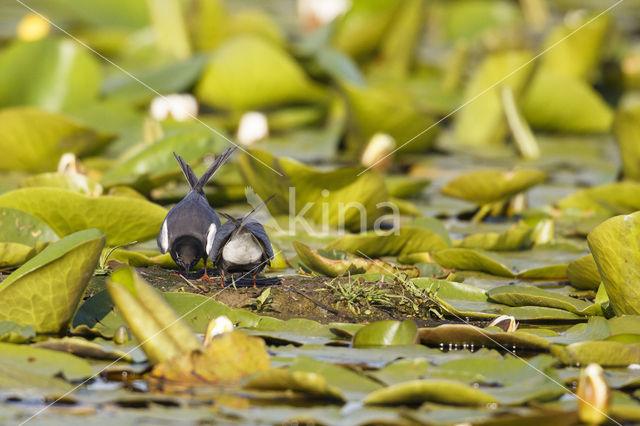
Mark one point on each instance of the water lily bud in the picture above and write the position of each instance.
(69, 164)
(253, 128)
(33, 27)
(379, 152)
(220, 325)
(313, 14)
(593, 395)
(180, 107)
(505, 322)
(544, 232)
(121, 336)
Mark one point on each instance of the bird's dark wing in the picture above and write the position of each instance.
(186, 170)
(192, 216)
(258, 231)
(222, 236)
(222, 158)
(230, 218)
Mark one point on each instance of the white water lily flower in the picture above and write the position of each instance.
(180, 107)
(378, 153)
(313, 14)
(253, 128)
(505, 322)
(220, 325)
(593, 395)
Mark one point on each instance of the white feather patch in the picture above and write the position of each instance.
(242, 249)
(211, 235)
(164, 237)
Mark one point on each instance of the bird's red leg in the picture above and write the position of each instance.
(222, 279)
(254, 280)
(205, 277)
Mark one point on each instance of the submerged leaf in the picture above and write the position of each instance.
(45, 291)
(122, 219)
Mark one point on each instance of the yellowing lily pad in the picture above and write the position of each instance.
(626, 128)
(605, 353)
(474, 260)
(11, 332)
(308, 383)
(583, 273)
(608, 199)
(419, 391)
(472, 336)
(37, 148)
(526, 295)
(45, 361)
(46, 290)
(230, 81)
(487, 186)
(616, 250)
(122, 219)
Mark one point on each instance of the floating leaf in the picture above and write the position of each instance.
(386, 333)
(308, 383)
(163, 335)
(526, 295)
(45, 291)
(230, 81)
(45, 361)
(51, 73)
(122, 219)
(156, 165)
(469, 335)
(11, 332)
(616, 250)
(19, 227)
(539, 313)
(77, 183)
(14, 254)
(143, 258)
(555, 102)
(338, 190)
(405, 186)
(583, 273)
(84, 348)
(353, 265)
(38, 148)
(607, 354)
(516, 238)
(487, 186)
(627, 131)
(25, 384)
(402, 370)
(481, 122)
(419, 391)
(609, 199)
(404, 240)
(474, 260)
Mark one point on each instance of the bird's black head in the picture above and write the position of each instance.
(187, 251)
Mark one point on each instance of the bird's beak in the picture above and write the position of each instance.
(187, 267)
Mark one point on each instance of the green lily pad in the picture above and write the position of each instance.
(419, 391)
(605, 353)
(402, 370)
(609, 199)
(51, 73)
(615, 248)
(385, 110)
(19, 227)
(45, 291)
(474, 260)
(122, 219)
(451, 290)
(481, 122)
(403, 186)
(24, 384)
(404, 240)
(229, 81)
(626, 131)
(471, 336)
(11, 332)
(516, 238)
(163, 335)
(45, 361)
(335, 189)
(526, 295)
(38, 148)
(583, 273)
(156, 165)
(15, 254)
(487, 186)
(143, 258)
(386, 333)
(539, 313)
(352, 265)
(84, 349)
(308, 383)
(555, 102)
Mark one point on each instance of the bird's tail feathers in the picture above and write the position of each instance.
(222, 158)
(186, 170)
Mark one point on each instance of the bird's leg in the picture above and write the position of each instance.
(206, 276)
(222, 279)
(254, 280)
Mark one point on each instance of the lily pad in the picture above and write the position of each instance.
(616, 251)
(471, 336)
(78, 183)
(38, 148)
(526, 295)
(605, 353)
(402, 370)
(487, 186)
(230, 82)
(45, 361)
(609, 199)
(627, 131)
(45, 291)
(122, 219)
(404, 240)
(51, 73)
(419, 391)
(386, 333)
(308, 383)
(338, 190)
(474, 260)
(85, 349)
(516, 238)
(19, 227)
(583, 273)
(11, 332)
